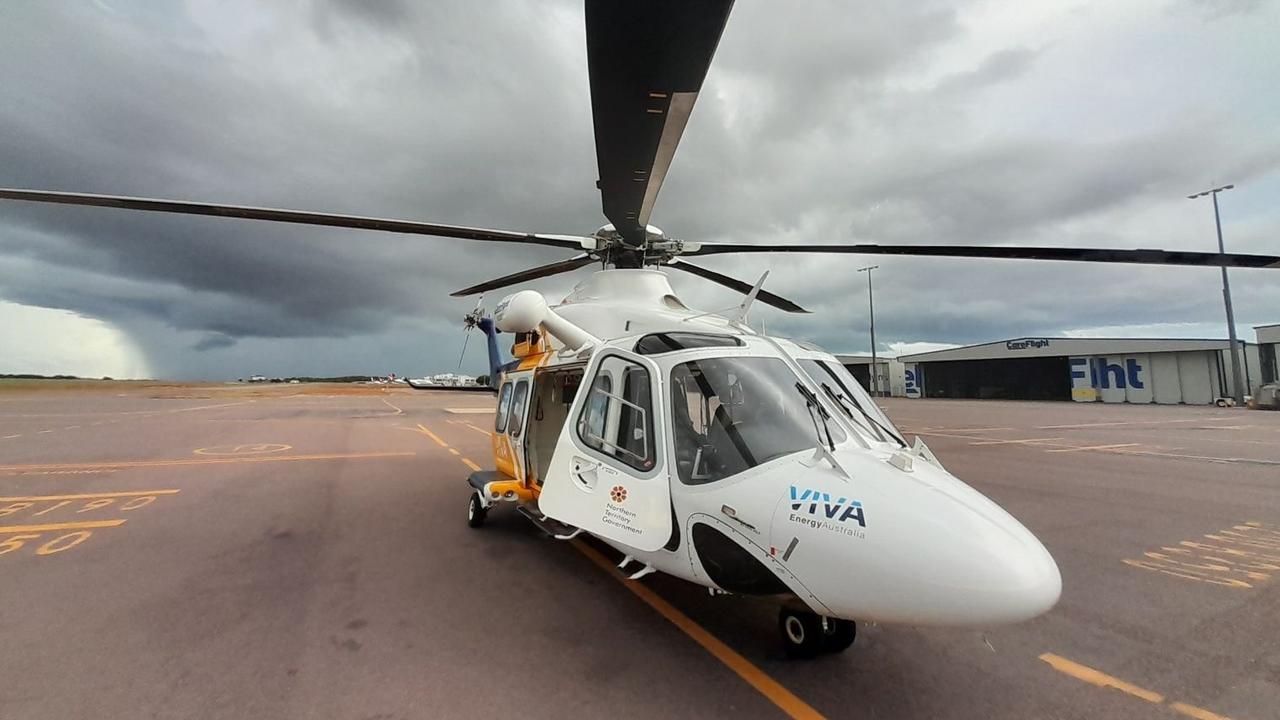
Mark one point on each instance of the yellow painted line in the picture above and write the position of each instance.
(932, 433)
(433, 436)
(954, 429)
(237, 450)
(89, 496)
(1131, 422)
(208, 407)
(455, 452)
(398, 411)
(1101, 679)
(93, 471)
(84, 525)
(784, 699)
(468, 463)
(1207, 458)
(208, 461)
(1196, 712)
(1016, 442)
(1096, 447)
(482, 431)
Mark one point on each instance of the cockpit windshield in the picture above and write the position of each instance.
(847, 394)
(734, 413)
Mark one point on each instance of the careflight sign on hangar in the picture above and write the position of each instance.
(1080, 369)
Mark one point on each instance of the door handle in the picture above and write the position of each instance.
(584, 472)
(732, 514)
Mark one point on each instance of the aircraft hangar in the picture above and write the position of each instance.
(1269, 351)
(1112, 370)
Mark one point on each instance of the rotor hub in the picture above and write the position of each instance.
(608, 235)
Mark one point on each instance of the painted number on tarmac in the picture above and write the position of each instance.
(1240, 556)
(249, 449)
(51, 524)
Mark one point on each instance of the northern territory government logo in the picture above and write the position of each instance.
(816, 509)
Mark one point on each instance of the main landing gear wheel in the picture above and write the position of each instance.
(476, 512)
(806, 634)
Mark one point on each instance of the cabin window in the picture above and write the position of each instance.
(658, 343)
(617, 418)
(515, 422)
(504, 402)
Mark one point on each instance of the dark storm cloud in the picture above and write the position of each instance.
(213, 342)
(820, 122)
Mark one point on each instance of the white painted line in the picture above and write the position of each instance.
(1015, 442)
(1096, 447)
(10, 437)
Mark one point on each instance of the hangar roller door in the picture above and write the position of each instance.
(1040, 378)
(862, 373)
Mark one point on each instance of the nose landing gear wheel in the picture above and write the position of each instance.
(476, 512)
(801, 633)
(806, 634)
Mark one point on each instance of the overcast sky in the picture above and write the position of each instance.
(1081, 123)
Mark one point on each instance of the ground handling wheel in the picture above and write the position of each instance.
(476, 511)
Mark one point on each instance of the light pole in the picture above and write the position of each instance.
(1237, 385)
(871, 305)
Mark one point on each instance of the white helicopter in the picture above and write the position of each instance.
(686, 440)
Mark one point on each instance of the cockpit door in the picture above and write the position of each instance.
(607, 474)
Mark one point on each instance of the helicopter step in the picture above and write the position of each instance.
(552, 527)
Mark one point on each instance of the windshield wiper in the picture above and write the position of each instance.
(816, 412)
(843, 403)
(882, 430)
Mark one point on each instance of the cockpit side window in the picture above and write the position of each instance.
(734, 413)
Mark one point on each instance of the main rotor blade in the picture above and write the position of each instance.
(763, 296)
(1002, 252)
(541, 271)
(298, 217)
(647, 60)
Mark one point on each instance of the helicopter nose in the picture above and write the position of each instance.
(927, 550)
(994, 570)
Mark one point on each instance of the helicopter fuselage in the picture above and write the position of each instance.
(745, 463)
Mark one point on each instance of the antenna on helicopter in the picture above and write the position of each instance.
(739, 316)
